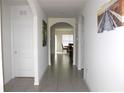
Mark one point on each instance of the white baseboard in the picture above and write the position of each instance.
(36, 83)
(87, 85)
(61, 53)
(79, 68)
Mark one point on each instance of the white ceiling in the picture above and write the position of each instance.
(56, 8)
(61, 8)
(16, 2)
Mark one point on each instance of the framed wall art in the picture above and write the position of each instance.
(111, 15)
(44, 33)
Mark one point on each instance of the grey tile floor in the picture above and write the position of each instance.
(60, 77)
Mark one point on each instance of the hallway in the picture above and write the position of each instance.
(61, 77)
(29, 29)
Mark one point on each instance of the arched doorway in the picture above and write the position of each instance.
(69, 21)
(60, 31)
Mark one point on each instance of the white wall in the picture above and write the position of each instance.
(40, 52)
(53, 21)
(104, 52)
(59, 33)
(6, 39)
(1, 65)
(80, 44)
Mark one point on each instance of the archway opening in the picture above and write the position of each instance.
(61, 41)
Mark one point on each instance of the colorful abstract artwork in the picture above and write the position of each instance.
(111, 16)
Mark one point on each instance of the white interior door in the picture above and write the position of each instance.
(22, 41)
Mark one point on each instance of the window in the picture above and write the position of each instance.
(66, 39)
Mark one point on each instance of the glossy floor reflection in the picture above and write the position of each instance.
(60, 77)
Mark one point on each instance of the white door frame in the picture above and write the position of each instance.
(35, 40)
(80, 42)
(1, 64)
(12, 50)
(53, 21)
